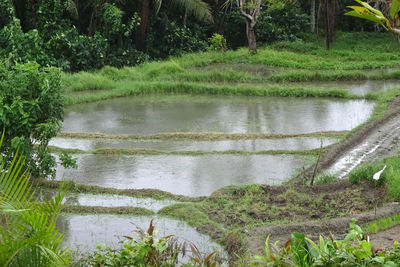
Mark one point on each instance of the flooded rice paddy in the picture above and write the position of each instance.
(84, 232)
(361, 87)
(189, 175)
(183, 175)
(146, 115)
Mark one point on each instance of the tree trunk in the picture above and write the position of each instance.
(185, 18)
(312, 16)
(330, 16)
(251, 37)
(140, 33)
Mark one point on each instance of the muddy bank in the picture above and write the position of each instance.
(385, 239)
(375, 140)
(337, 226)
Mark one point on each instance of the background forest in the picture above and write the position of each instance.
(81, 35)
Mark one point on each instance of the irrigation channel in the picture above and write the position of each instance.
(192, 146)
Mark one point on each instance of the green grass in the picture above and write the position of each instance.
(133, 88)
(73, 187)
(204, 136)
(106, 210)
(382, 224)
(325, 178)
(271, 72)
(389, 178)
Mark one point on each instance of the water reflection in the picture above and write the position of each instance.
(147, 115)
(84, 232)
(185, 175)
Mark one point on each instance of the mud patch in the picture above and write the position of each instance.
(385, 239)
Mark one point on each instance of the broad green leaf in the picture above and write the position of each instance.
(367, 17)
(394, 8)
(370, 8)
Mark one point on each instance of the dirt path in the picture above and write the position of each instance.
(375, 140)
(380, 143)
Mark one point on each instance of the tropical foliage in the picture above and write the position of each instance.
(147, 250)
(31, 110)
(27, 231)
(367, 12)
(353, 250)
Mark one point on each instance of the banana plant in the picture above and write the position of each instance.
(365, 11)
(28, 236)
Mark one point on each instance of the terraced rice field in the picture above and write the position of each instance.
(192, 145)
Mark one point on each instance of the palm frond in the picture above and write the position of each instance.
(197, 8)
(28, 235)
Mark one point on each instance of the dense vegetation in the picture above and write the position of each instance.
(103, 45)
(76, 35)
(32, 111)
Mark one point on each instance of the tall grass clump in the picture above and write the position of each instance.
(82, 81)
(390, 177)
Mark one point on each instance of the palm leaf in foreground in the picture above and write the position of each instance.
(28, 235)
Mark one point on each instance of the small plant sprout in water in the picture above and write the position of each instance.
(376, 178)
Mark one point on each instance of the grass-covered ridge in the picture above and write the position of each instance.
(271, 72)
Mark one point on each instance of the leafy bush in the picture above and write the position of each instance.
(28, 236)
(217, 42)
(6, 12)
(126, 57)
(351, 251)
(282, 21)
(31, 109)
(76, 52)
(21, 47)
(278, 21)
(169, 39)
(147, 250)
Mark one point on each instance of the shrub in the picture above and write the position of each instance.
(217, 42)
(31, 109)
(6, 12)
(282, 21)
(76, 52)
(126, 57)
(169, 39)
(20, 47)
(278, 21)
(351, 251)
(147, 250)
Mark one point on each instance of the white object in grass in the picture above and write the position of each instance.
(378, 174)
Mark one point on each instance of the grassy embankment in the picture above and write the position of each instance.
(269, 73)
(274, 71)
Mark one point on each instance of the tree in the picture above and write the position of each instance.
(312, 15)
(250, 10)
(367, 12)
(31, 109)
(197, 8)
